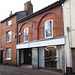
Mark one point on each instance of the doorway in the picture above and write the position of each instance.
(73, 60)
(1, 56)
(26, 56)
(50, 57)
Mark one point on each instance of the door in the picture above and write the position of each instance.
(1, 56)
(73, 60)
(50, 57)
(28, 56)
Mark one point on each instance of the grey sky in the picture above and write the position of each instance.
(18, 5)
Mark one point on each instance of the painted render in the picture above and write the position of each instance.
(69, 28)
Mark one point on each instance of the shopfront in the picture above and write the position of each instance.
(50, 57)
(25, 56)
(44, 53)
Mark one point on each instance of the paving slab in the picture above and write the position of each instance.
(10, 70)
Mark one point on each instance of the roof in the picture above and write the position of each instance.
(19, 14)
(22, 15)
(8, 17)
(41, 11)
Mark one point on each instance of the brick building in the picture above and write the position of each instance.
(8, 35)
(35, 39)
(41, 38)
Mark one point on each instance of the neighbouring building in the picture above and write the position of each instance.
(8, 35)
(69, 32)
(41, 41)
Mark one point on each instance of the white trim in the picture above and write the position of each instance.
(8, 41)
(24, 33)
(8, 59)
(49, 42)
(52, 29)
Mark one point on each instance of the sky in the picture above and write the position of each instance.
(18, 5)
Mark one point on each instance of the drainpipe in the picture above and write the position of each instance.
(38, 40)
(65, 40)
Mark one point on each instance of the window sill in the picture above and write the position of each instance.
(48, 37)
(8, 41)
(25, 41)
(8, 59)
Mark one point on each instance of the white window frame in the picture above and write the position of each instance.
(24, 34)
(9, 36)
(45, 29)
(8, 54)
(9, 22)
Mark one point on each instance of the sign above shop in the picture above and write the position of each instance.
(41, 43)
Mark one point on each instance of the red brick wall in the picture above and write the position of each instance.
(12, 44)
(58, 28)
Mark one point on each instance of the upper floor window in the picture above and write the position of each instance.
(25, 34)
(48, 26)
(9, 22)
(8, 53)
(9, 36)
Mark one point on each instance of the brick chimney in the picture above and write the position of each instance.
(10, 13)
(29, 7)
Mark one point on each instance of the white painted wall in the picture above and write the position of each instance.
(41, 57)
(69, 21)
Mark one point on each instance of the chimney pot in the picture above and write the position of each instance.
(10, 13)
(29, 1)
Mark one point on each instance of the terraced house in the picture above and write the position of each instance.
(8, 36)
(41, 41)
(35, 39)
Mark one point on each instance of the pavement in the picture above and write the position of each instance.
(10, 70)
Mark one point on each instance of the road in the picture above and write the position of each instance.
(10, 70)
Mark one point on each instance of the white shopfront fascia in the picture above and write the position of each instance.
(41, 43)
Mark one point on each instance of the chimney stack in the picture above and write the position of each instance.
(10, 13)
(28, 7)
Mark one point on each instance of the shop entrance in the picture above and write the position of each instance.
(26, 56)
(50, 57)
(1, 56)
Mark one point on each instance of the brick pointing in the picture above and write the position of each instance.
(12, 44)
(58, 28)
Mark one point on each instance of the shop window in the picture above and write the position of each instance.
(8, 53)
(9, 36)
(25, 35)
(9, 23)
(50, 57)
(48, 26)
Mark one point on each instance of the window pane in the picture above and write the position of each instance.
(47, 25)
(48, 28)
(9, 23)
(50, 24)
(25, 34)
(9, 36)
(8, 52)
